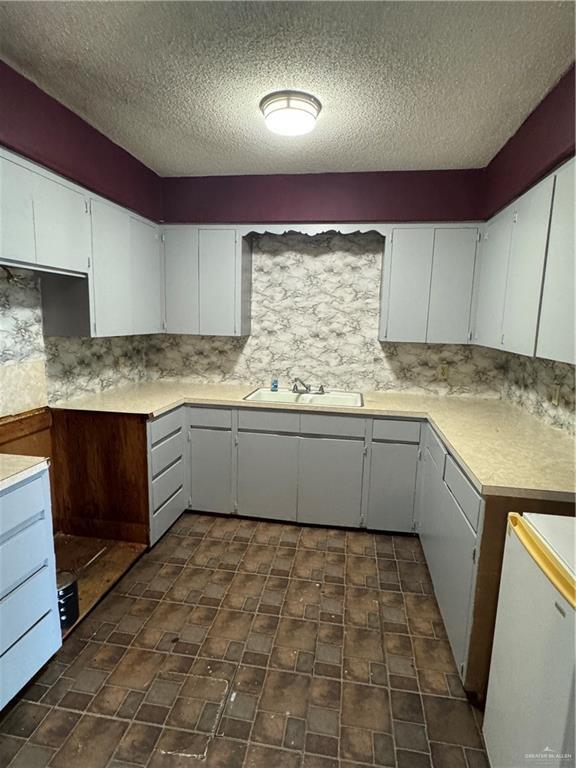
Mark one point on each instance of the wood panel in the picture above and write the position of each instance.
(28, 434)
(488, 582)
(100, 462)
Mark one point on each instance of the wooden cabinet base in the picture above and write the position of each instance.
(100, 468)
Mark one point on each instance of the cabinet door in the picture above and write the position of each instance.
(146, 278)
(448, 542)
(491, 286)
(181, 280)
(330, 481)
(451, 286)
(112, 274)
(526, 269)
(267, 475)
(217, 277)
(62, 226)
(16, 213)
(392, 486)
(556, 340)
(409, 286)
(211, 470)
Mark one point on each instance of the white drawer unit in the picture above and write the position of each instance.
(29, 621)
(167, 471)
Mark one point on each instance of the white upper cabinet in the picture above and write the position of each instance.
(111, 270)
(17, 242)
(217, 280)
(451, 286)
(208, 279)
(491, 284)
(146, 277)
(405, 297)
(181, 279)
(42, 221)
(526, 268)
(557, 316)
(427, 285)
(62, 226)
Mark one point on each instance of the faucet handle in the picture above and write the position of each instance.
(321, 389)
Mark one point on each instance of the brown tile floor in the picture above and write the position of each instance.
(240, 643)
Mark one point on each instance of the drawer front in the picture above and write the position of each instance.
(17, 505)
(26, 605)
(210, 417)
(165, 425)
(436, 448)
(268, 421)
(166, 453)
(395, 431)
(343, 426)
(463, 491)
(166, 484)
(23, 554)
(28, 655)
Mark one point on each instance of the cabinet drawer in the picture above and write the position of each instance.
(396, 431)
(268, 421)
(26, 605)
(166, 453)
(463, 491)
(166, 484)
(17, 505)
(23, 554)
(210, 417)
(436, 448)
(165, 425)
(28, 655)
(172, 507)
(345, 426)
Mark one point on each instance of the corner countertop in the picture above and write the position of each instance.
(14, 468)
(504, 450)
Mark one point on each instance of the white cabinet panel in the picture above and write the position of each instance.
(330, 481)
(211, 470)
(392, 486)
(62, 225)
(491, 286)
(556, 332)
(451, 286)
(17, 241)
(526, 268)
(146, 269)
(181, 276)
(217, 278)
(112, 273)
(267, 475)
(409, 287)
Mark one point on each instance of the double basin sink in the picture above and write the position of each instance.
(330, 397)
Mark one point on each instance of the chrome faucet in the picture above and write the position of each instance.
(300, 387)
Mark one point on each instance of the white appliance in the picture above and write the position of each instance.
(530, 716)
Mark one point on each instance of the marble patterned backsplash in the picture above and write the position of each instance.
(314, 314)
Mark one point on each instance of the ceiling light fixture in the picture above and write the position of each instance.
(290, 113)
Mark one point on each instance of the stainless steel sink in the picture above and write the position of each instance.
(330, 397)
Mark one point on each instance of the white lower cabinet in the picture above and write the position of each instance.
(330, 481)
(449, 542)
(268, 475)
(393, 468)
(29, 621)
(211, 470)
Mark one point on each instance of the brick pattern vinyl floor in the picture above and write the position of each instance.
(235, 643)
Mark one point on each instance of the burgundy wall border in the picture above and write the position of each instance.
(35, 125)
(542, 142)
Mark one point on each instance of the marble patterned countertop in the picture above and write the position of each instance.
(14, 468)
(504, 450)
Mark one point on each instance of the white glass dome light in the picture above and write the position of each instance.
(290, 113)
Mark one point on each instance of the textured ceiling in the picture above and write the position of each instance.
(404, 85)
